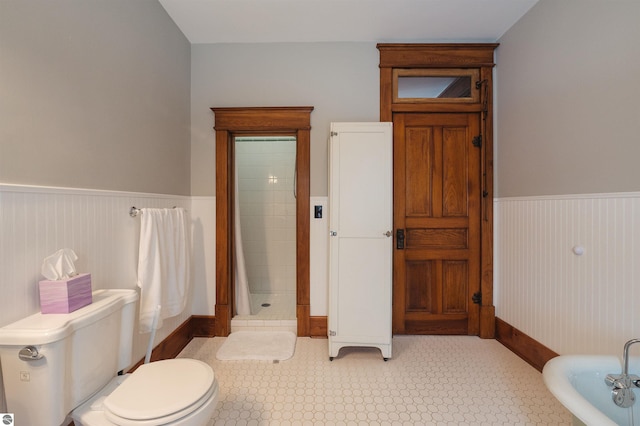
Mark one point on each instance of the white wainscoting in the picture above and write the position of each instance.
(203, 240)
(573, 304)
(37, 221)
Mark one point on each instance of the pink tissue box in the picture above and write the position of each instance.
(64, 296)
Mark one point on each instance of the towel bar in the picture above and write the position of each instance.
(134, 211)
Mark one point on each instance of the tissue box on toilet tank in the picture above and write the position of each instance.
(64, 296)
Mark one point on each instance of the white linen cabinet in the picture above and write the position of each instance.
(360, 236)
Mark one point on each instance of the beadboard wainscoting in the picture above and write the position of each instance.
(567, 270)
(203, 241)
(37, 221)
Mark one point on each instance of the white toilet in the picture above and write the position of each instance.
(58, 367)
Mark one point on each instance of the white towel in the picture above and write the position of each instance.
(163, 265)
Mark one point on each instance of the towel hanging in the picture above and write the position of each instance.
(163, 264)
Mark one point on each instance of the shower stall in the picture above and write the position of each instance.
(265, 229)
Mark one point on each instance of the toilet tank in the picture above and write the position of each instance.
(77, 354)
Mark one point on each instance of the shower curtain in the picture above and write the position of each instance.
(243, 302)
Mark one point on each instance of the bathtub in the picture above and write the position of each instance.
(577, 381)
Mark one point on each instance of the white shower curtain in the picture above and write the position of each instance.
(243, 302)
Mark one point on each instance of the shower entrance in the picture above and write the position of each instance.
(232, 124)
(265, 233)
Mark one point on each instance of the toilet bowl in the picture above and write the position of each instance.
(68, 368)
(170, 392)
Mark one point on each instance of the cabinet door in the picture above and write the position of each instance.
(360, 245)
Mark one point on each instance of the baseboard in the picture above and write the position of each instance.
(173, 344)
(318, 327)
(527, 348)
(203, 326)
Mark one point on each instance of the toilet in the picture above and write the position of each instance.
(62, 367)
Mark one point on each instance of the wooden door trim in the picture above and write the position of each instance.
(228, 123)
(436, 55)
(453, 55)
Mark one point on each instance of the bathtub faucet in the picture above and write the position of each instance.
(622, 393)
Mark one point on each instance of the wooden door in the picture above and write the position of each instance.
(360, 243)
(437, 210)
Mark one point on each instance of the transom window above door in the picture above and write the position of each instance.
(435, 85)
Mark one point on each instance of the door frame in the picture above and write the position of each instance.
(480, 56)
(229, 122)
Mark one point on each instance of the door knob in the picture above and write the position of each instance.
(387, 234)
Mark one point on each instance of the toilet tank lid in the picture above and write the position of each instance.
(40, 329)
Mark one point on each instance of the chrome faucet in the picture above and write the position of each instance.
(622, 384)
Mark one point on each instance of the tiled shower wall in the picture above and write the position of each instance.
(573, 303)
(268, 213)
(37, 221)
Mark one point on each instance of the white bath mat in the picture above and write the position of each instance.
(258, 345)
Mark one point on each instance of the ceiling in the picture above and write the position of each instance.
(267, 21)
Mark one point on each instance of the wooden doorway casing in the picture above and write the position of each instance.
(230, 122)
(479, 57)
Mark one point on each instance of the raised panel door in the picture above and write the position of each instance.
(437, 207)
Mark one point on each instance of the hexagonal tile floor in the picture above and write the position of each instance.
(431, 380)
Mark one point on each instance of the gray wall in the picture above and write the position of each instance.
(341, 80)
(94, 94)
(568, 107)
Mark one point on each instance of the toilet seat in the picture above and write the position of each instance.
(160, 392)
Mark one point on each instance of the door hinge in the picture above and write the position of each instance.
(477, 141)
(477, 298)
(332, 333)
(334, 133)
